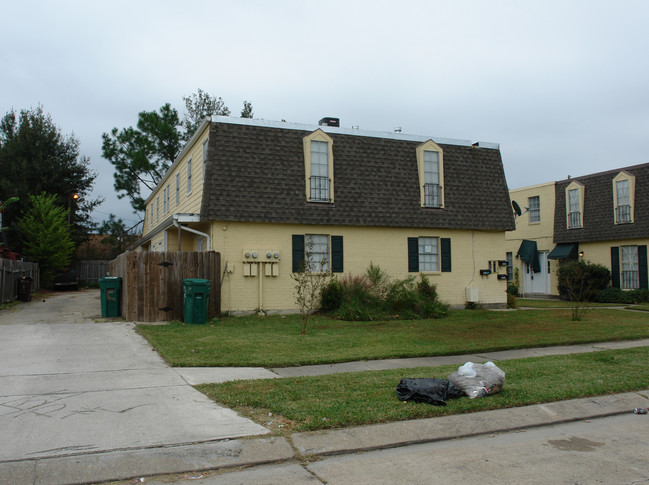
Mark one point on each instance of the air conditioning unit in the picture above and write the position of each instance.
(471, 294)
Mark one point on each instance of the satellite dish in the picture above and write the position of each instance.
(517, 208)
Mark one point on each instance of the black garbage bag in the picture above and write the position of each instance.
(429, 390)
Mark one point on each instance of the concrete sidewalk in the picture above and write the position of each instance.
(206, 375)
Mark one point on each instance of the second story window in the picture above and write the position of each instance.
(534, 205)
(430, 165)
(189, 176)
(177, 188)
(319, 171)
(623, 197)
(575, 205)
(432, 188)
(204, 157)
(318, 167)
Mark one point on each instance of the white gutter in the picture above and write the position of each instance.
(196, 218)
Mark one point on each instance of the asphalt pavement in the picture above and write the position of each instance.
(86, 400)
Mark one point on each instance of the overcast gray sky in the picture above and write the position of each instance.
(563, 86)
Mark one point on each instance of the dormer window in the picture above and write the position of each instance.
(623, 195)
(574, 205)
(318, 167)
(431, 174)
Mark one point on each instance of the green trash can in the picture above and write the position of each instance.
(111, 291)
(196, 292)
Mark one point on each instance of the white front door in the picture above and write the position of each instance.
(537, 282)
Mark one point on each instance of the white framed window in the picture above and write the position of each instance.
(316, 253)
(575, 205)
(432, 188)
(534, 207)
(428, 254)
(177, 188)
(318, 167)
(204, 157)
(510, 266)
(623, 197)
(164, 201)
(167, 198)
(157, 208)
(630, 275)
(319, 171)
(189, 176)
(430, 165)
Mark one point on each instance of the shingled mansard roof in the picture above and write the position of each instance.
(255, 173)
(599, 213)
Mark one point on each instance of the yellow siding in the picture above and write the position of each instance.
(188, 203)
(542, 232)
(600, 252)
(471, 252)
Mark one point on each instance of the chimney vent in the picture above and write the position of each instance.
(397, 129)
(328, 121)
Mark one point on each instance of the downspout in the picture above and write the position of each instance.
(261, 289)
(189, 229)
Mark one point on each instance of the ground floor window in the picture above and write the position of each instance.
(630, 277)
(428, 254)
(317, 253)
(316, 248)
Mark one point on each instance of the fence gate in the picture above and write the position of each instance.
(152, 282)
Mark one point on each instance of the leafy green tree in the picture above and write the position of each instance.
(45, 235)
(35, 157)
(246, 112)
(200, 105)
(142, 155)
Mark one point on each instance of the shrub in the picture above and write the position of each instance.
(512, 301)
(358, 301)
(616, 295)
(512, 289)
(379, 280)
(373, 296)
(332, 296)
(580, 281)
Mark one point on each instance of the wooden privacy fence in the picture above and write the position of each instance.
(152, 282)
(90, 270)
(10, 271)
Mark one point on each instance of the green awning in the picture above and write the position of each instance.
(562, 251)
(529, 253)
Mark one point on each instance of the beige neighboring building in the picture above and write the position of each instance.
(533, 238)
(260, 192)
(601, 217)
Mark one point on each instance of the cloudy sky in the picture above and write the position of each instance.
(563, 86)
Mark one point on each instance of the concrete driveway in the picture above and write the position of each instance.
(73, 383)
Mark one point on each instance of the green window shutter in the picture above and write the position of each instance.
(336, 254)
(298, 253)
(446, 254)
(615, 266)
(413, 255)
(642, 267)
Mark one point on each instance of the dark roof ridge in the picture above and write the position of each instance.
(605, 172)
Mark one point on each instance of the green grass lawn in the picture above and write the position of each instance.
(353, 399)
(531, 303)
(274, 341)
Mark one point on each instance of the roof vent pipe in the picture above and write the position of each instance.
(397, 129)
(328, 121)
